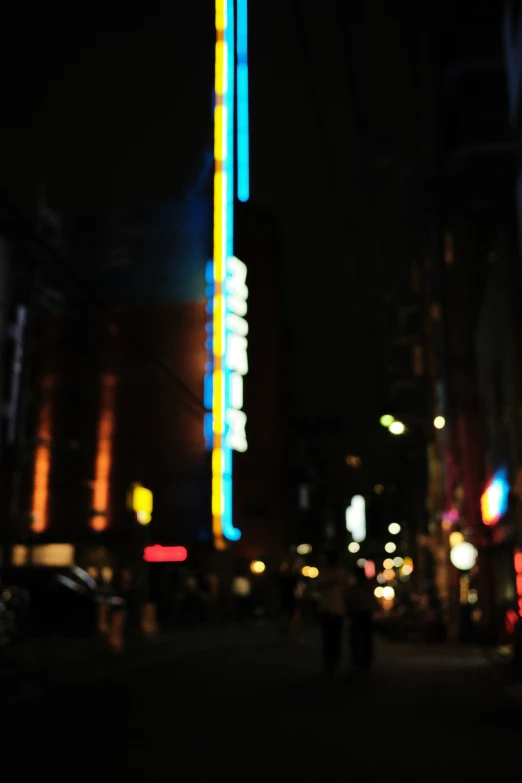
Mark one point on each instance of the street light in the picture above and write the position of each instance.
(397, 428)
(463, 556)
(257, 566)
(439, 422)
(394, 528)
(390, 547)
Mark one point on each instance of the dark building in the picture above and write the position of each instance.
(471, 229)
(115, 390)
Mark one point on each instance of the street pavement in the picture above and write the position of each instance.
(251, 709)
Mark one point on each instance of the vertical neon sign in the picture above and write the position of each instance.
(221, 383)
(243, 131)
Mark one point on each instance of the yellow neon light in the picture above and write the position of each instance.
(218, 317)
(218, 138)
(220, 184)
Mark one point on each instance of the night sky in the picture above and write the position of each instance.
(115, 108)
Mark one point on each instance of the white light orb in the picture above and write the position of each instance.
(353, 547)
(388, 592)
(397, 562)
(397, 428)
(390, 547)
(378, 592)
(394, 528)
(439, 422)
(463, 556)
(304, 549)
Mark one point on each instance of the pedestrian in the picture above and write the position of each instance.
(331, 586)
(287, 597)
(361, 605)
(242, 592)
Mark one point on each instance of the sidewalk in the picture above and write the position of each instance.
(501, 660)
(35, 666)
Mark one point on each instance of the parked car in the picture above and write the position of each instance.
(60, 600)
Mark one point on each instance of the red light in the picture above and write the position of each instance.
(520, 606)
(164, 554)
(511, 620)
(519, 584)
(518, 562)
(369, 569)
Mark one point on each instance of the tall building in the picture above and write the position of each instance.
(160, 365)
(473, 225)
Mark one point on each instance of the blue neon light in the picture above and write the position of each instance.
(499, 489)
(243, 130)
(208, 430)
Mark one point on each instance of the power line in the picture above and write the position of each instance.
(21, 230)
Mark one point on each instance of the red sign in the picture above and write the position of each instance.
(164, 554)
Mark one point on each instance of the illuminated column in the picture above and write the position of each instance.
(103, 464)
(42, 463)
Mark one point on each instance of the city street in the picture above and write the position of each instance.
(254, 708)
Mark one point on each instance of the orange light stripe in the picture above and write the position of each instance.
(103, 463)
(42, 467)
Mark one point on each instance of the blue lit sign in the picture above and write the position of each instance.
(243, 154)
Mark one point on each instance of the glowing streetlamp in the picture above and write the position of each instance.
(397, 428)
(463, 556)
(439, 422)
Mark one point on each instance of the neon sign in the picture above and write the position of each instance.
(164, 554)
(227, 292)
(140, 500)
(243, 162)
(494, 500)
(518, 577)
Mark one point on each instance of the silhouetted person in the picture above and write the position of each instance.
(242, 594)
(331, 585)
(361, 605)
(288, 581)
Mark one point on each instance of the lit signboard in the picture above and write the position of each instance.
(356, 518)
(494, 500)
(164, 554)
(518, 577)
(225, 421)
(140, 501)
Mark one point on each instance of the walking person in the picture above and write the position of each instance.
(361, 606)
(331, 585)
(242, 594)
(288, 598)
